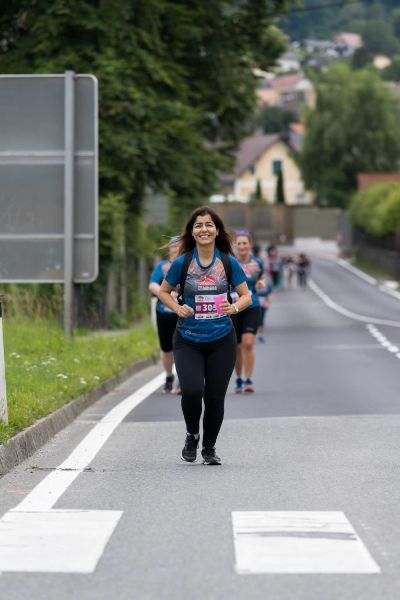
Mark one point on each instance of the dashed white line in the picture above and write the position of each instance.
(384, 342)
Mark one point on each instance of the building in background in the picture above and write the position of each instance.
(259, 160)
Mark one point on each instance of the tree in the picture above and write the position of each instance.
(280, 189)
(257, 196)
(175, 82)
(354, 128)
(275, 119)
(379, 38)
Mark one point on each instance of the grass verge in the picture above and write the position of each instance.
(44, 370)
(372, 269)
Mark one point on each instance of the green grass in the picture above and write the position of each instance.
(44, 370)
(372, 269)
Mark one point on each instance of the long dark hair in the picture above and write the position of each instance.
(223, 241)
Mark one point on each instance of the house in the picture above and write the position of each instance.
(347, 43)
(259, 159)
(287, 91)
(289, 62)
(365, 180)
(380, 61)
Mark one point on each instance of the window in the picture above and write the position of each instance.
(252, 169)
(276, 167)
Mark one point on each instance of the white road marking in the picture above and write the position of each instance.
(298, 542)
(348, 313)
(384, 342)
(55, 541)
(350, 347)
(49, 490)
(36, 537)
(358, 272)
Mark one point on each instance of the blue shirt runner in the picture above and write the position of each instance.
(254, 270)
(158, 276)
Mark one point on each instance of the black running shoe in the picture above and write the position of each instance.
(189, 450)
(168, 385)
(210, 457)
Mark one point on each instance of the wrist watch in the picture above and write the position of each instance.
(236, 308)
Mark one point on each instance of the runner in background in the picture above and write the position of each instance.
(264, 296)
(275, 266)
(204, 340)
(303, 270)
(247, 322)
(166, 318)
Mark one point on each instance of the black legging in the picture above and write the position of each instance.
(204, 370)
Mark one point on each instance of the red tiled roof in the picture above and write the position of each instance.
(352, 40)
(285, 82)
(365, 180)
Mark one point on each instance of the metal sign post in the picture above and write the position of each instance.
(69, 201)
(3, 391)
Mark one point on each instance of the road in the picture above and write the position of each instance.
(304, 507)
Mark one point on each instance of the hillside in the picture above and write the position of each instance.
(322, 19)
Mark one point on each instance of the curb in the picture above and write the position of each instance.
(28, 441)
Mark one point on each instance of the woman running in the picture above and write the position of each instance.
(204, 342)
(247, 323)
(166, 318)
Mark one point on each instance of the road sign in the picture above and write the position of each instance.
(48, 152)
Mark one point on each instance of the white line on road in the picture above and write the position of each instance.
(34, 537)
(49, 490)
(348, 313)
(358, 272)
(384, 342)
(298, 542)
(350, 347)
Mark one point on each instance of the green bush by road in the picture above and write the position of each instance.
(377, 209)
(44, 370)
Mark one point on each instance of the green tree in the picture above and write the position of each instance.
(280, 189)
(379, 38)
(361, 58)
(392, 72)
(175, 84)
(275, 119)
(257, 196)
(354, 128)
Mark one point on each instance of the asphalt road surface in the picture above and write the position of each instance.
(305, 505)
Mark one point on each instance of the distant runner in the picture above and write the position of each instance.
(166, 318)
(204, 340)
(247, 323)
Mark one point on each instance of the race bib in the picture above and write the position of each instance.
(207, 306)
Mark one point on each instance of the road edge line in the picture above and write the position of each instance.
(28, 441)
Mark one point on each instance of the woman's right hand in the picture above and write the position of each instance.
(185, 311)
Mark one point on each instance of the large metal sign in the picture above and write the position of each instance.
(48, 178)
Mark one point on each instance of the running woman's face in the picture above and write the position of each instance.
(204, 231)
(243, 246)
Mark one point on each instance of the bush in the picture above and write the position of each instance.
(377, 209)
